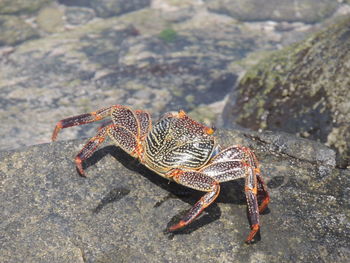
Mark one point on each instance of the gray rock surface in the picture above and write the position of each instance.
(108, 8)
(302, 89)
(22, 6)
(119, 213)
(166, 56)
(116, 62)
(79, 15)
(14, 30)
(308, 11)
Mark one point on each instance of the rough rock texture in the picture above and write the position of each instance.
(21, 6)
(302, 89)
(50, 19)
(79, 15)
(48, 213)
(308, 11)
(116, 62)
(166, 56)
(108, 8)
(14, 30)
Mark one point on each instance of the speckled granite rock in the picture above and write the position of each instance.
(50, 19)
(13, 30)
(116, 61)
(308, 11)
(165, 56)
(302, 89)
(21, 6)
(48, 213)
(108, 8)
(78, 15)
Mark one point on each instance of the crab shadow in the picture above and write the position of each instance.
(231, 192)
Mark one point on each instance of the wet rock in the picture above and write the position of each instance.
(302, 89)
(81, 3)
(13, 30)
(167, 56)
(309, 11)
(107, 8)
(119, 213)
(116, 61)
(50, 19)
(21, 6)
(79, 15)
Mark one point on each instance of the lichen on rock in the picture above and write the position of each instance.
(302, 89)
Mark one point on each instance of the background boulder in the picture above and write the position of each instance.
(302, 89)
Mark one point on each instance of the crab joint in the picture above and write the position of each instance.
(254, 190)
(182, 114)
(209, 130)
(58, 127)
(79, 165)
(175, 173)
(254, 229)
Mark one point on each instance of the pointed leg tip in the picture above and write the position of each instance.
(79, 166)
(54, 135)
(58, 127)
(249, 242)
(251, 238)
(177, 226)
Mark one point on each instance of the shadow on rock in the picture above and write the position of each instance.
(113, 196)
(210, 214)
(231, 192)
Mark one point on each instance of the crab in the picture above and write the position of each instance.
(181, 150)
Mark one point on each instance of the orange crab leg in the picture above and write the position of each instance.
(254, 187)
(235, 162)
(89, 148)
(253, 212)
(263, 194)
(198, 181)
(80, 120)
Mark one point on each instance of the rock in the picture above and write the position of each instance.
(302, 89)
(307, 11)
(107, 8)
(119, 213)
(81, 3)
(135, 60)
(79, 15)
(21, 6)
(50, 19)
(167, 56)
(14, 30)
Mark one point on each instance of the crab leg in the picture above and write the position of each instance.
(80, 120)
(237, 162)
(90, 147)
(198, 181)
(262, 193)
(254, 188)
(252, 203)
(130, 129)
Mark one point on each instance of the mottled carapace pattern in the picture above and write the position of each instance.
(180, 149)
